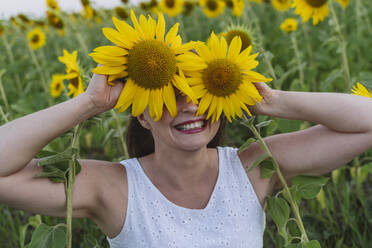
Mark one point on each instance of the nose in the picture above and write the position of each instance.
(185, 106)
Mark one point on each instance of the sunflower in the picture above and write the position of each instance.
(188, 7)
(256, 1)
(147, 55)
(56, 85)
(344, 3)
(360, 90)
(52, 4)
(36, 38)
(289, 25)
(121, 12)
(281, 5)
(212, 8)
(238, 7)
(245, 33)
(317, 9)
(222, 77)
(75, 85)
(87, 12)
(171, 7)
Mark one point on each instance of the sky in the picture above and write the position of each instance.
(37, 8)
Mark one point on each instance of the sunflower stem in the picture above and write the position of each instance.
(11, 59)
(70, 184)
(3, 115)
(305, 31)
(292, 202)
(120, 130)
(38, 68)
(342, 44)
(2, 92)
(298, 59)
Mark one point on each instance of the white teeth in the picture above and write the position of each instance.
(193, 125)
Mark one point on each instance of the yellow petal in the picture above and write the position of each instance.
(108, 60)
(156, 104)
(111, 51)
(116, 76)
(126, 30)
(140, 101)
(170, 99)
(234, 48)
(115, 37)
(204, 104)
(109, 70)
(255, 77)
(126, 95)
(172, 33)
(136, 25)
(203, 51)
(160, 28)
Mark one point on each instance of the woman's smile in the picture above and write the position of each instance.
(192, 126)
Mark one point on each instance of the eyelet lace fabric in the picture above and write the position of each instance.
(232, 218)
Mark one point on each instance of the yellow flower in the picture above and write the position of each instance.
(54, 20)
(147, 55)
(256, 1)
(36, 38)
(222, 77)
(344, 3)
(289, 25)
(245, 33)
(87, 12)
(212, 8)
(56, 85)
(52, 4)
(317, 9)
(171, 7)
(281, 5)
(360, 90)
(188, 7)
(238, 7)
(75, 85)
(121, 12)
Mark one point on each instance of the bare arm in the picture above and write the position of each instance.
(344, 130)
(21, 139)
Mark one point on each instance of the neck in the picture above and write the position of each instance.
(181, 168)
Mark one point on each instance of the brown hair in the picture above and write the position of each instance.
(140, 142)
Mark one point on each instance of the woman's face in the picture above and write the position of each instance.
(186, 131)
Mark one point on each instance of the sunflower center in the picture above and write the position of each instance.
(246, 40)
(211, 4)
(74, 82)
(222, 77)
(58, 87)
(35, 38)
(151, 64)
(316, 3)
(170, 3)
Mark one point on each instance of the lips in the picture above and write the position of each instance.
(191, 126)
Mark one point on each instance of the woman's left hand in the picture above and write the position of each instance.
(269, 96)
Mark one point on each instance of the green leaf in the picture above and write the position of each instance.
(309, 186)
(60, 157)
(267, 168)
(263, 124)
(279, 211)
(311, 244)
(294, 193)
(55, 172)
(364, 171)
(48, 237)
(46, 153)
(294, 246)
(258, 161)
(246, 144)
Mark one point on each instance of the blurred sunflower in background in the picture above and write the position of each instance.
(245, 33)
(281, 5)
(188, 7)
(289, 25)
(171, 7)
(52, 4)
(121, 12)
(238, 7)
(1, 29)
(360, 90)
(56, 85)
(316, 9)
(212, 8)
(55, 21)
(36, 38)
(146, 55)
(222, 77)
(73, 73)
(344, 3)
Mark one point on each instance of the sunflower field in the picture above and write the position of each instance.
(293, 45)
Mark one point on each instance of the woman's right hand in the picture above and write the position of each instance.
(103, 95)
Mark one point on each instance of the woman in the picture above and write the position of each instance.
(184, 194)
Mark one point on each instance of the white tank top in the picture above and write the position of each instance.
(232, 218)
